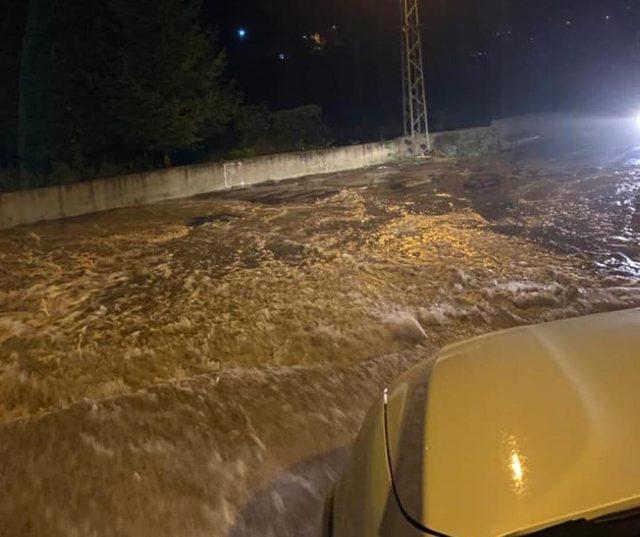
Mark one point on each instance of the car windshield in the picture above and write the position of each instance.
(620, 525)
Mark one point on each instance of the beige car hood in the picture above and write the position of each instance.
(533, 426)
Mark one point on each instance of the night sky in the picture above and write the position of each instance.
(485, 58)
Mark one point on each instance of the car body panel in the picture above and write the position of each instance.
(532, 427)
(406, 401)
(363, 503)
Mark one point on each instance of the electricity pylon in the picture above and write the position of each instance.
(416, 123)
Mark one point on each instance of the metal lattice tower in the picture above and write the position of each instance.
(414, 97)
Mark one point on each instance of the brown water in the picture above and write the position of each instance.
(199, 367)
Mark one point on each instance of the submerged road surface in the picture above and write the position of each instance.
(200, 367)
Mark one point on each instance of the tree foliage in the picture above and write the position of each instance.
(12, 25)
(295, 129)
(115, 80)
(167, 90)
(36, 78)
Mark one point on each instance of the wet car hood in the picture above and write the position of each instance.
(522, 429)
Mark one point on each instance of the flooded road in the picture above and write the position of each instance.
(200, 367)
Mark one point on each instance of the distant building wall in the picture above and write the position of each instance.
(52, 203)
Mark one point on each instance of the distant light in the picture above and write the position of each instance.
(242, 33)
(282, 56)
(608, 17)
(636, 118)
(568, 23)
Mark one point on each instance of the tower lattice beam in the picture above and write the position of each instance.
(416, 123)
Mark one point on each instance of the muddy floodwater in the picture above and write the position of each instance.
(200, 367)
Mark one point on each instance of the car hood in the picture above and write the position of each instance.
(522, 429)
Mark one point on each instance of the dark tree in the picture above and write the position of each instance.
(62, 113)
(166, 92)
(11, 36)
(115, 81)
(35, 82)
(78, 123)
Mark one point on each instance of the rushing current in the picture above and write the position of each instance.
(200, 367)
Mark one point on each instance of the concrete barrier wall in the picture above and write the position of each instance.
(468, 142)
(31, 206)
(292, 165)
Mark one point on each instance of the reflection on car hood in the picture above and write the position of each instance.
(525, 429)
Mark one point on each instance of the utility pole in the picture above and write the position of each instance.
(414, 96)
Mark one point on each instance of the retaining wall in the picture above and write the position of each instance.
(468, 142)
(31, 206)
